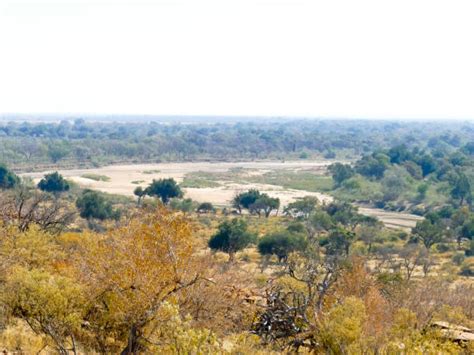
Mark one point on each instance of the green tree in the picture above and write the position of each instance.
(302, 207)
(184, 205)
(165, 189)
(206, 207)
(245, 199)
(422, 189)
(339, 242)
(372, 166)
(58, 151)
(92, 204)
(399, 154)
(8, 179)
(319, 222)
(369, 234)
(393, 185)
(140, 193)
(266, 204)
(231, 237)
(53, 182)
(428, 233)
(427, 163)
(340, 172)
(281, 244)
(462, 189)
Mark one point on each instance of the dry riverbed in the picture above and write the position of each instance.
(123, 179)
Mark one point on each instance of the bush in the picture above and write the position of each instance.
(165, 189)
(187, 205)
(467, 268)
(92, 204)
(470, 251)
(53, 182)
(296, 227)
(281, 244)
(8, 179)
(231, 237)
(206, 207)
(458, 258)
(304, 155)
(443, 248)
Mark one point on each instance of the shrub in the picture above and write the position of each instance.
(92, 204)
(458, 258)
(281, 244)
(467, 268)
(8, 179)
(231, 237)
(53, 182)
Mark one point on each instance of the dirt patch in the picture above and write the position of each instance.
(394, 220)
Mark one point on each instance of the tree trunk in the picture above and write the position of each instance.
(133, 346)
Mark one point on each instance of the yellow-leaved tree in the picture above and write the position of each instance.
(130, 273)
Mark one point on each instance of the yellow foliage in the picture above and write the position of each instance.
(19, 338)
(406, 336)
(50, 304)
(32, 248)
(173, 334)
(132, 270)
(341, 330)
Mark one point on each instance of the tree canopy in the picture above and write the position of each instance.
(93, 204)
(165, 189)
(231, 237)
(8, 179)
(281, 244)
(53, 182)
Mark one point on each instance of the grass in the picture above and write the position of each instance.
(359, 189)
(301, 180)
(95, 177)
(138, 182)
(197, 182)
(149, 172)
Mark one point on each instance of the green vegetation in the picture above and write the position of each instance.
(300, 180)
(8, 179)
(53, 182)
(83, 272)
(92, 204)
(231, 237)
(150, 172)
(198, 182)
(86, 143)
(206, 207)
(95, 177)
(282, 244)
(164, 189)
(256, 202)
(402, 179)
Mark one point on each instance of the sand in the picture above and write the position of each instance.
(123, 176)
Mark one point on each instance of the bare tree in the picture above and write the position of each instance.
(24, 207)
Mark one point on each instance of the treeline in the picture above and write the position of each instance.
(415, 179)
(81, 142)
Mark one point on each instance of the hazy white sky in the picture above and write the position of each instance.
(408, 59)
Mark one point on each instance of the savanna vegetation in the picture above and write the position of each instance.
(86, 272)
(81, 142)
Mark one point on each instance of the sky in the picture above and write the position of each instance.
(354, 59)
